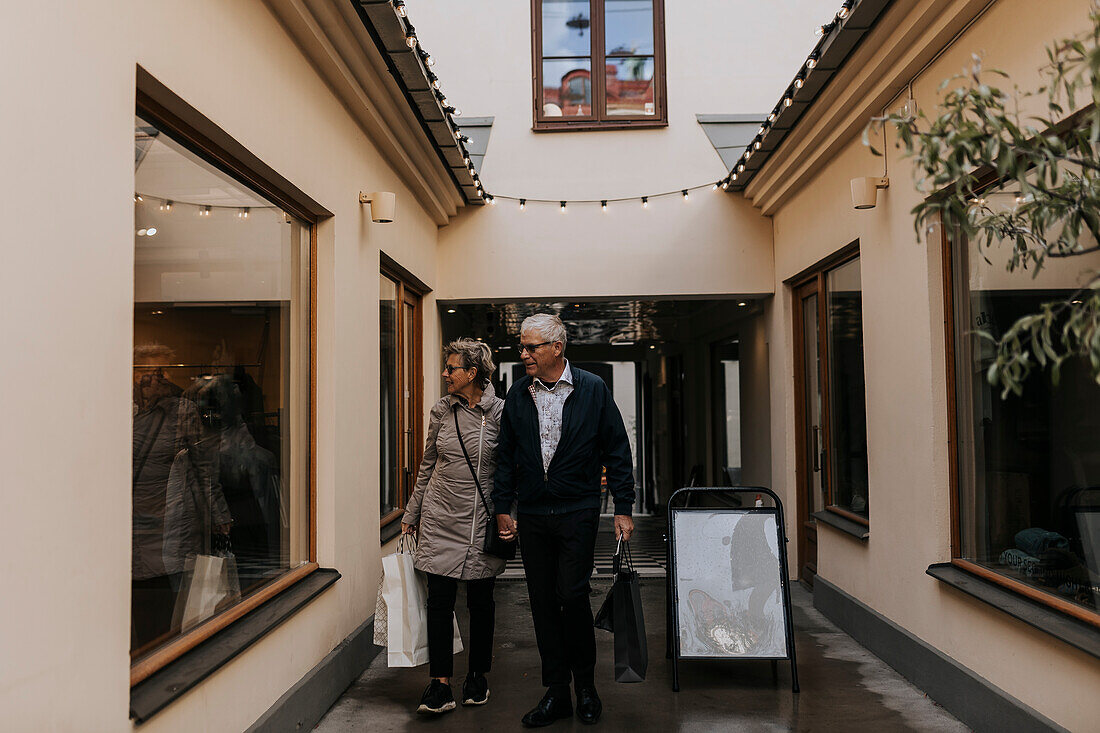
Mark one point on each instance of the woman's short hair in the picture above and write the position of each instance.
(474, 355)
(547, 325)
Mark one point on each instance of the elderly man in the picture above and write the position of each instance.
(559, 428)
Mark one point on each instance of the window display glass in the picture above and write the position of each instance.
(1028, 465)
(221, 375)
(847, 389)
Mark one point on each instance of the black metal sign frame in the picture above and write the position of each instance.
(672, 600)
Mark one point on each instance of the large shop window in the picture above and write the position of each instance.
(1028, 466)
(401, 394)
(599, 64)
(221, 396)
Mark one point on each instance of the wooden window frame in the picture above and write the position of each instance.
(985, 181)
(816, 276)
(410, 291)
(187, 126)
(599, 119)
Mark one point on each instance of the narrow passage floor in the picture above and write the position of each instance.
(844, 687)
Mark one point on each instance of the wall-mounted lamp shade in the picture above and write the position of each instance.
(865, 191)
(382, 205)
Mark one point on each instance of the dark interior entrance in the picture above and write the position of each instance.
(688, 375)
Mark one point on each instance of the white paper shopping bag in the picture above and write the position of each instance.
(405, 594)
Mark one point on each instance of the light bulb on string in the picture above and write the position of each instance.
(563, 207)
(733, 177)
(811, 62)
(740, 167)
(166, 206)
(645, 202)
(715, 186)
(843, 12)
(242, 213)
(522, 204)
(725, 184)
(400, 8)
(137, 198)
(492, 199)
(410, 40)
(685, 193)
(787, 102)
(771, 117)
(756, 145)
(798, 83)
(204, 211)
(603, 206)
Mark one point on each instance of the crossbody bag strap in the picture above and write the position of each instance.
(469, 463)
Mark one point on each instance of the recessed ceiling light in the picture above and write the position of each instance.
(450, 310)
(742, 304)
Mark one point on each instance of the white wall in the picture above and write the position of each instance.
(907, 414)
(724, 57)
(67, 288)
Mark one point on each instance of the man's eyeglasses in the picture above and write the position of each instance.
(531, 348)
(451, 369)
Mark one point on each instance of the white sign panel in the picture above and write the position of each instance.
(728, 584)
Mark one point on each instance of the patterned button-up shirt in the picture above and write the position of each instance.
(549, 403)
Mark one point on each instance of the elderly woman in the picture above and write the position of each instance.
(450, 517)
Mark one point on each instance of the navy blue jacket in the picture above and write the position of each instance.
(592, 436)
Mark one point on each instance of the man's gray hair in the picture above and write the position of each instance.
(547, 326)
(474, 355)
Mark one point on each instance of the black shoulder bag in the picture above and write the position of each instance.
(494, 545)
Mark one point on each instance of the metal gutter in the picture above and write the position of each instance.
(835, 47)
(407, 66)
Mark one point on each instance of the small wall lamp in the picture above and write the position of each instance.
(865, 191)
(382, 205)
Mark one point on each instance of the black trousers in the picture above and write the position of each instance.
(442, 592)
(557, 559)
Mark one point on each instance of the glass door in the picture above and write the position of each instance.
(810, 437)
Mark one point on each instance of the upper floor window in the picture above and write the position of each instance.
(599, 64)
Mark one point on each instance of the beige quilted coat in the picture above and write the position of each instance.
(445, 501)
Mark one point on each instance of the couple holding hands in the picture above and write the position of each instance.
(540, 451)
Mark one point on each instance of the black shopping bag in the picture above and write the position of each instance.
(631, 651)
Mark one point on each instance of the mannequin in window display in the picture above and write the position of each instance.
(177, 502)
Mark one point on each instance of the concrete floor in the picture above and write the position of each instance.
(844, 687)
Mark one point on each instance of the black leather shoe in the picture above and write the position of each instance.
(553, 706)
(589, 706)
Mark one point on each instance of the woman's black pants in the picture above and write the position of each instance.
(441, 606)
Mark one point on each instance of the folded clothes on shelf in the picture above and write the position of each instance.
(1035, 541)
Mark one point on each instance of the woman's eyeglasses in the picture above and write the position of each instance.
(531, 348)
(451, 369)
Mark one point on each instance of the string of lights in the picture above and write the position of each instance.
(562, 204)
(166, 205)
(823, 32)
(738, 170)
(450, 112)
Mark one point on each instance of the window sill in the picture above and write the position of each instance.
(1076, 633)
(845, 525)
(159, 689)
(590, 126)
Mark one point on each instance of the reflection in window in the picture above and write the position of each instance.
(628, 34)
(1028, 465)
(847, 389)
(387, 347)
(220, 391)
